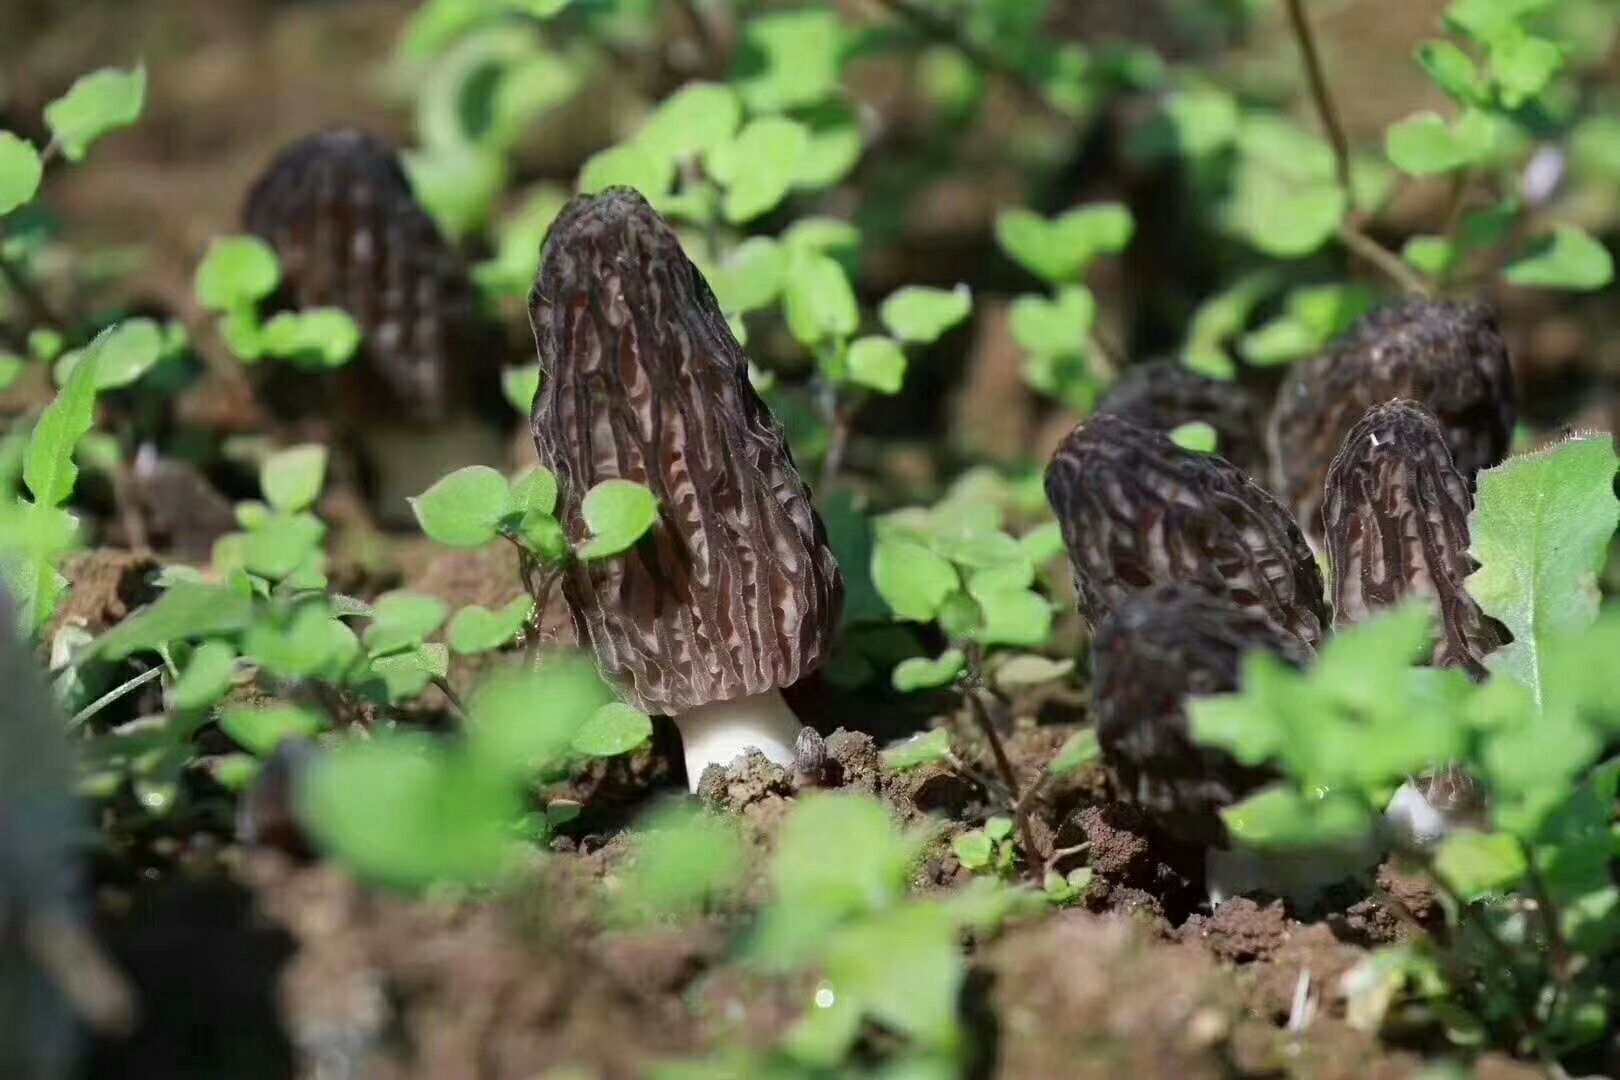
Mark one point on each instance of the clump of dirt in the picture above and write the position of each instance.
(752, 785)
(1137, 867)
(1240, 930)
(107, 584)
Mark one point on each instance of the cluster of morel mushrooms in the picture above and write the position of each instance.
(1183, 561)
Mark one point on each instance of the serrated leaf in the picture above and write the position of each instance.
(48, 468)
(20, 172)
(618, 513)
(291, 479)
(96, 104)
(1568, 259)
(1540, 527)
(919, 314)
(465, 508)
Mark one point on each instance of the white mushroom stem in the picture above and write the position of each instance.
(719, 732)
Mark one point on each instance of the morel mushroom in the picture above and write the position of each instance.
(735, 593)
(1162, 646)
(1165, 394)
(1137, 510)
(339, 212)
(1449, 356)
(1396, 517)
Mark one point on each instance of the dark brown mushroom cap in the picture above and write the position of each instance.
(1161, 647)
(1396, 515)
(735, 592)
(1449, 356)
(1164, 394)
(1137, 510)
(340, 213)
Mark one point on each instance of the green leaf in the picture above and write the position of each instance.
(20, 172)
(974, 849)
(918, 750)
(912, 580)
(1476, 864)
(1077, 751)
(260, 730)
(206, 677)
(819, 303)
(751, 275)
(682, 858)
(1288, 220)
(1055, 327)
(1280, 818)
(1451, 70)
(697, 117)
(618, 513)
(131, 349)
(759, 166)
(1522, 65)
(407, 674)
(1595, 147)
(291, 479)
(1030, 669)
(407, 811)
(11, 366)
(321, 337)
(535, 492)
(1196, 436)
(628, 165)
(920, 315)
(922, 673)
(1060, 250)
(96, 104)
(1431, 255)
(1540, 527)
(788, 59)
(465, 508)
(403, 620)
(237, 272)
(834, 148)
(477, 629)
(613, 729)
(877, 363)
(1484, 20)
(1424, 144)
(521, 385)
(523, 720)
(187, 610)
(48, 468)
(1568, 259)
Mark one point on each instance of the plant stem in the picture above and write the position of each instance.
(1020, 806)
(450, 696)
(1386, 261)
(111, 696)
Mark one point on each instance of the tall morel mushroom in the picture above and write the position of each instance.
(735, 593)
(339, 212)
(1137, 510)
(1160, 647)
(1396, 512)
(1448, 356)
(1165, 394)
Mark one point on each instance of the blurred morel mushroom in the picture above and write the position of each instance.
(1396, 516)
(1137, 510)
(1165, 394)
(734, 593)
(1449, 356)
(1160, 647)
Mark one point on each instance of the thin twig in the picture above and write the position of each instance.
(450, 695)
(111, 696)
(1390, 264)
(839, 427)
(981, 716)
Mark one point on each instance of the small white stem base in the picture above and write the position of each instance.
(718, 733)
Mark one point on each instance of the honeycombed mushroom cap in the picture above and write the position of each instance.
(337, 208)
(1450, 356)
(1137, 510)
(735, 592)
(1396, 526)
(1162, 646)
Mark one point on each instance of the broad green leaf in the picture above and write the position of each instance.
(1485, 20)
(406, 675)
(919, 314)
(974, 849)
(834, 146)
(1277, 817)
(292, 479)
(1522, 65)
(1060, 250)
(1424, 144)
(20, 172)
(96, 104)
(48, 468)
(1195, 435)
(1030, 669)
(131, 349)
(912, 580)
(877, 363)
(459, 184)
(260, 730)
(409, 811)
(1540, 527)
(924, 673)
(788, 59)
(323, 337)
(819, 303)
(759, 166)
(613, 729)
(1595, 147)
(403, 620)
(465, 508)
(1289, 220)
(918, 750)
(1451, 69)
(237, 272)
(524, 720)
(1476, 864)
(1567, 259)
(698, 116)
(206, 676)
(628, 165)
(751, 276)
(187, 610)
(1431, 255)
(11, 366)
(534, 492)
(618, 513)
(520, 385)
(298, 646)
(1056, 326)
(1077, 751)
(682, 858)
(477, 629)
